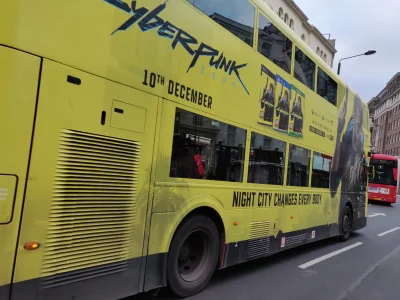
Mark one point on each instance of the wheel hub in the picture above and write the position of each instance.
(193, 256)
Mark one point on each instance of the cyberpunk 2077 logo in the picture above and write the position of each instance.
(150, 20)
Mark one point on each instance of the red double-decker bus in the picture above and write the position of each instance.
(383, 185)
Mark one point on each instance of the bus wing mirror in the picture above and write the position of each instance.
(371, 172)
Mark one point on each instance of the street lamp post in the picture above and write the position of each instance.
(369, 52)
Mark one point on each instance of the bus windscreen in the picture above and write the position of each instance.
(384, 172)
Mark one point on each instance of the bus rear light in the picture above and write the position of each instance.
(31, 246)
(236, 223)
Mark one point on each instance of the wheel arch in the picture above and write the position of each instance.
(201, 205)
(164, 225)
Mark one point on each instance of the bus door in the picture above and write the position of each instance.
(19, 73)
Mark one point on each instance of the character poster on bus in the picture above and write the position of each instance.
(297, 106)
(267, 98)
(282, 107)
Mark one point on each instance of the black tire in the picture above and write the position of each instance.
(193, 256)
(345, 224)
(388, 204)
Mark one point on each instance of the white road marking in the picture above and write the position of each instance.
(325, 257)
(389, 231)
(376, 214)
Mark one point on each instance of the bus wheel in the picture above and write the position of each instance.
(193, 256)
(346, 224)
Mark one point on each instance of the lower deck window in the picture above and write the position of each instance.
(321, 170)
(204, 148)
(299, 166)
(267, 160)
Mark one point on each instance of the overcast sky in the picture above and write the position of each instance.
(358, 26)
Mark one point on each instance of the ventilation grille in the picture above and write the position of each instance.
(259, 244)
(260, 229)
(93, 208)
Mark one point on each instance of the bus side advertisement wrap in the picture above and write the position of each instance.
(152, 127)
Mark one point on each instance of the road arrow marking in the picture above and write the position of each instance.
(376, 215)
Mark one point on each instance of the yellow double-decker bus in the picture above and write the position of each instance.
(148, 143)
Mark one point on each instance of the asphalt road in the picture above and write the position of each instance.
(366, 267)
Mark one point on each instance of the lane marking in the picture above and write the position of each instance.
(329, 255)
(389, 231)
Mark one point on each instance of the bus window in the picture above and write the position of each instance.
(326, 87)
(304, 69)
(299, 166)
(267, 160)
(273, 44)
(320, 170)
(237, 16)
(204, 148)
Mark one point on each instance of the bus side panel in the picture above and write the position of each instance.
(19, 74)
(88, 193)
(348, 176)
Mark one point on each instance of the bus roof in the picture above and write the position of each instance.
(383, 157)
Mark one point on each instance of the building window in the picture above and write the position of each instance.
(237, 17)
(299, 166)
(270, 37)
(303, 37)
(280, 12)
(286, 19)
(202, 152)
(324, 57)
(267, 160)
(317, 50)
(304, 69)
(320, 170)
(291, 23)
(326, 87)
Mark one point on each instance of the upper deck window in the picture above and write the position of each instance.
(237, 16)
(326, 87)
(274, 45)
(304, 69)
